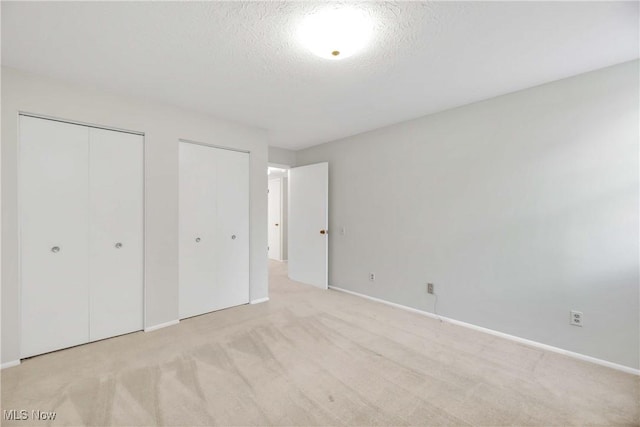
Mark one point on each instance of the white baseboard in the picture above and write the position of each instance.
(10, 364)
(525, 341)
(259, 300)
(161, 325)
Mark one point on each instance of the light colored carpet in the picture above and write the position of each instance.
(312, 357)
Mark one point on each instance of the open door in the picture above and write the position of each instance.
(275, 219)
(308, 224)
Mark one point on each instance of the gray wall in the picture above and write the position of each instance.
(163, 126)
(519, 209)
(282, 156)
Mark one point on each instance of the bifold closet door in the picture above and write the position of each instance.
(53, 182)
(115, 233)
(233, 228)
(197, 212)
(214, 229)
(81, 221)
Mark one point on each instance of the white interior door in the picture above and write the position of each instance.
(308, 224)
(275, 219)
(214, 229)
(54, 235)
(116, 233)
(232, 229)
(198, 234)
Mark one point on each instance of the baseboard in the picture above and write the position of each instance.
(161, 325)
(259, 300)
(525, 341)
(10, 364)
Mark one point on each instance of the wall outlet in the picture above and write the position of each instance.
(372, 277)
(430, 288)
(576, 318)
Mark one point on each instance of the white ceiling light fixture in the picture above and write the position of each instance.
(336, 33)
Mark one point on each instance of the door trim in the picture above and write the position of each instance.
(204, 144)
(76, 122)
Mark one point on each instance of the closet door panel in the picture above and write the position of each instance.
(116, 233)
(233, 228)
(53, 182)
(198, 249)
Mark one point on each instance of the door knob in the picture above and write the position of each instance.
(197, 239)
(118, 245)
(233, 237)
(324, 231)
(55, 249)
(277, 225)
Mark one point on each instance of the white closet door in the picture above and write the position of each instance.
(54, 235)
(116, 233)
(233, 229)
(198, 234)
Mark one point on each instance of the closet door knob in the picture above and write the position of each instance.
(233, 237)
(55, 249)
(118, 245)
(197, 239)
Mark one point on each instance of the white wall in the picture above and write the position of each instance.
(519, 209)
(282, 156)
(163, 126)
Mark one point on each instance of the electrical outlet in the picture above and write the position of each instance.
(430, 288)
(576, 318)
(372, 277)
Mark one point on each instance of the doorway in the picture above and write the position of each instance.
(277, 213)
(298, 219)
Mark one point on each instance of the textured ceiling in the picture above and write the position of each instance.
(241, 60)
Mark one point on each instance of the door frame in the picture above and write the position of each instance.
(19, 207)
(220, 147)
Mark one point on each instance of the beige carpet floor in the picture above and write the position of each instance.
(313, 357)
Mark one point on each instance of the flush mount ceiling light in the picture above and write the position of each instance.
(335, 33)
